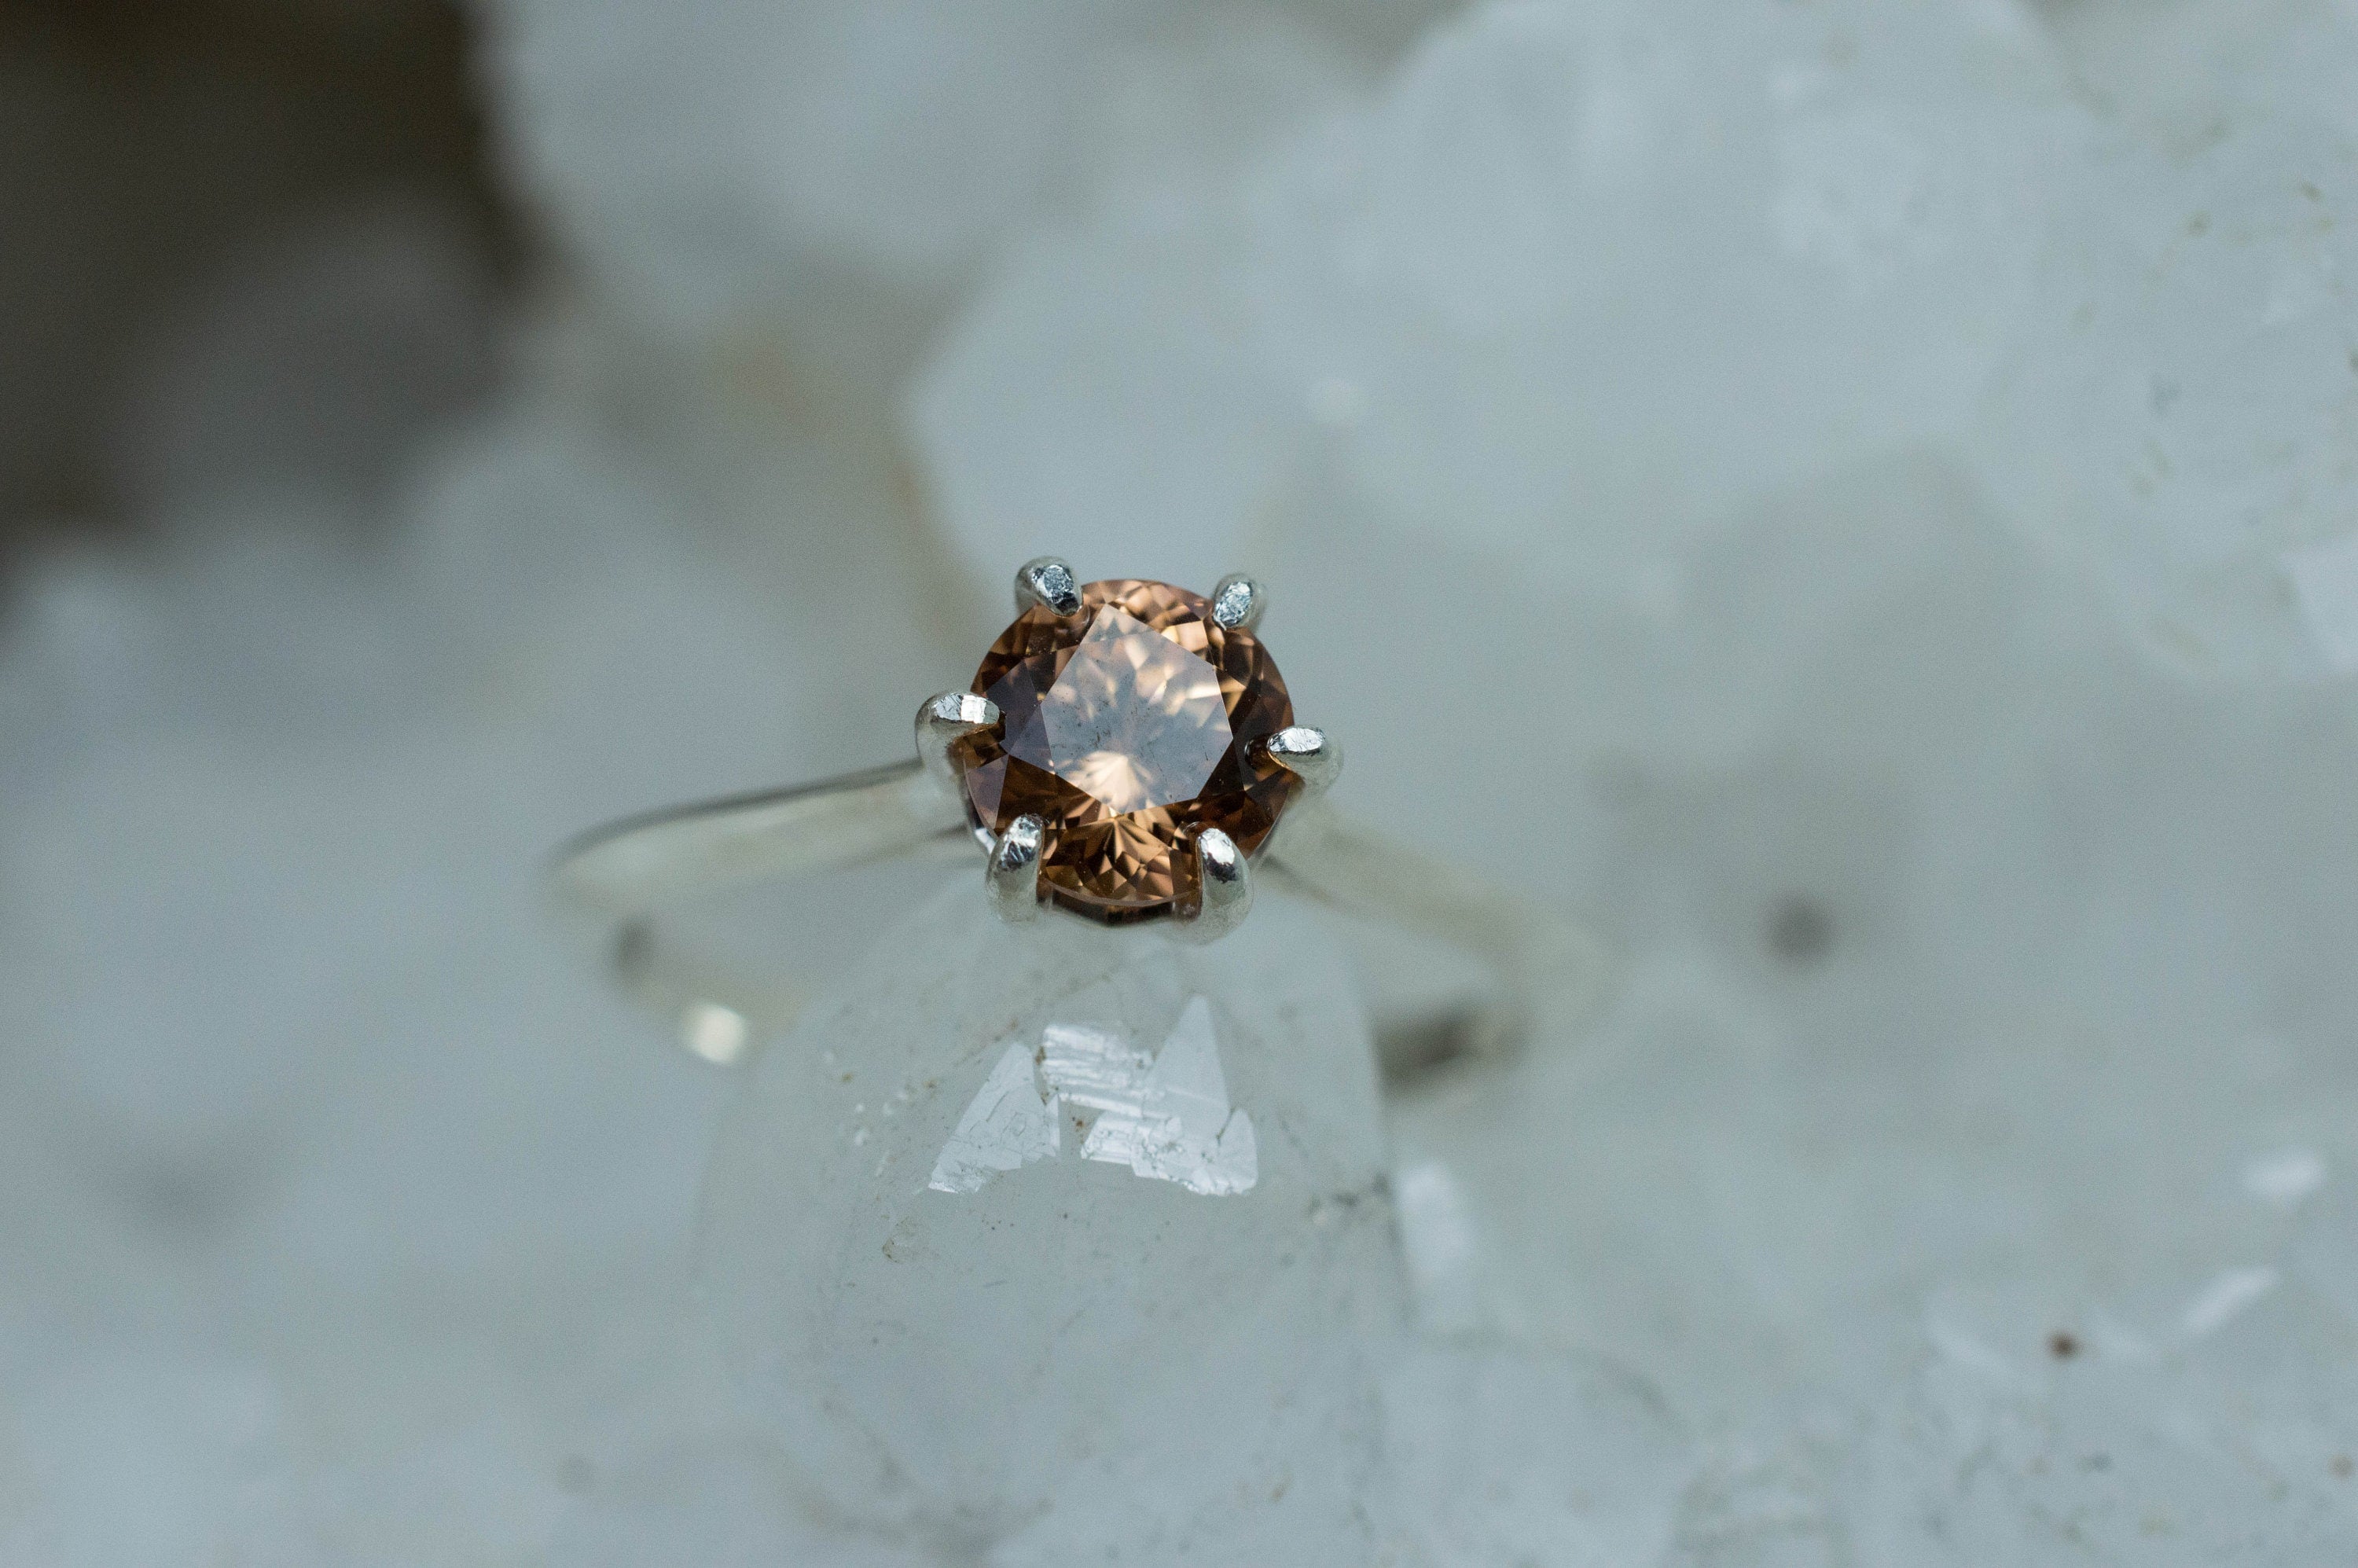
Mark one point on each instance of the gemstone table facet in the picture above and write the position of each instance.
(1128, 728)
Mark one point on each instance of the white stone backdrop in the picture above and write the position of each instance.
(1856, 502)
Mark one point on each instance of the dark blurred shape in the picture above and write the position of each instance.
(309, 365)
(1418, 1051)
(193, 188)
(1800, 929)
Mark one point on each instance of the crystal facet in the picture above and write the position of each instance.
(1127, 728)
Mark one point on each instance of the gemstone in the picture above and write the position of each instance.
(1128, 728)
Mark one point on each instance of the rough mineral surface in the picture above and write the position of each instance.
(1128, 728)
(1870, 484)
(1096, 1342)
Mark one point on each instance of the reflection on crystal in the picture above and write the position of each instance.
(1437, 1243)
(2285, 1177)
(1165, 1115)
(1008, 1125)
(2225, 1298)
(1174, 1123)
(715, 1033)
(1092, 1067)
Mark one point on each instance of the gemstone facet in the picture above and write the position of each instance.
(1128, 727)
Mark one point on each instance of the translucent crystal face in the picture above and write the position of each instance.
(1127, 728)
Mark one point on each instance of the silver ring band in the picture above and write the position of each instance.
(1546, 972)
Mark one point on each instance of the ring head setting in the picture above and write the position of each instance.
(1127, 728)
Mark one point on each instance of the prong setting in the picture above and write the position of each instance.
(1049, 584)
(1012, 877)
(1238, 603)
(947, 717)
(1141, 713)
(1225, 883)
(1307, 754)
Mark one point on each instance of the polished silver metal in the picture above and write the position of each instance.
(1238, 603)
(1047, 582)
(1011, 875)
(1225, 882)
(951, 715)
(632, 874)
(625, 880)
(1307, 754)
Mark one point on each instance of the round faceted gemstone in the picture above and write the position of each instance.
(1128, 727)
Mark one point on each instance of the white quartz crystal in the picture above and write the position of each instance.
(1854, 501)
(828, 174)
(1106, 382)
(2181, 419)
(1595, 275)
(2178, 73)
(1510, 1457)
(1578, 281)
(688, 158)
(322, 1155)
(1155, 1328)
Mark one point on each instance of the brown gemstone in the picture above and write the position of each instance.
(1128, 728)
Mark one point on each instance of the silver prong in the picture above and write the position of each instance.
(947, 717)
(1227, 883)
(1049, 583)
(1307, 754)
(1013, 875)
(1237, 603)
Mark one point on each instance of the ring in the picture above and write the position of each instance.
(1126, 755)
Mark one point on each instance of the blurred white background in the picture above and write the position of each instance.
(1857, 503)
